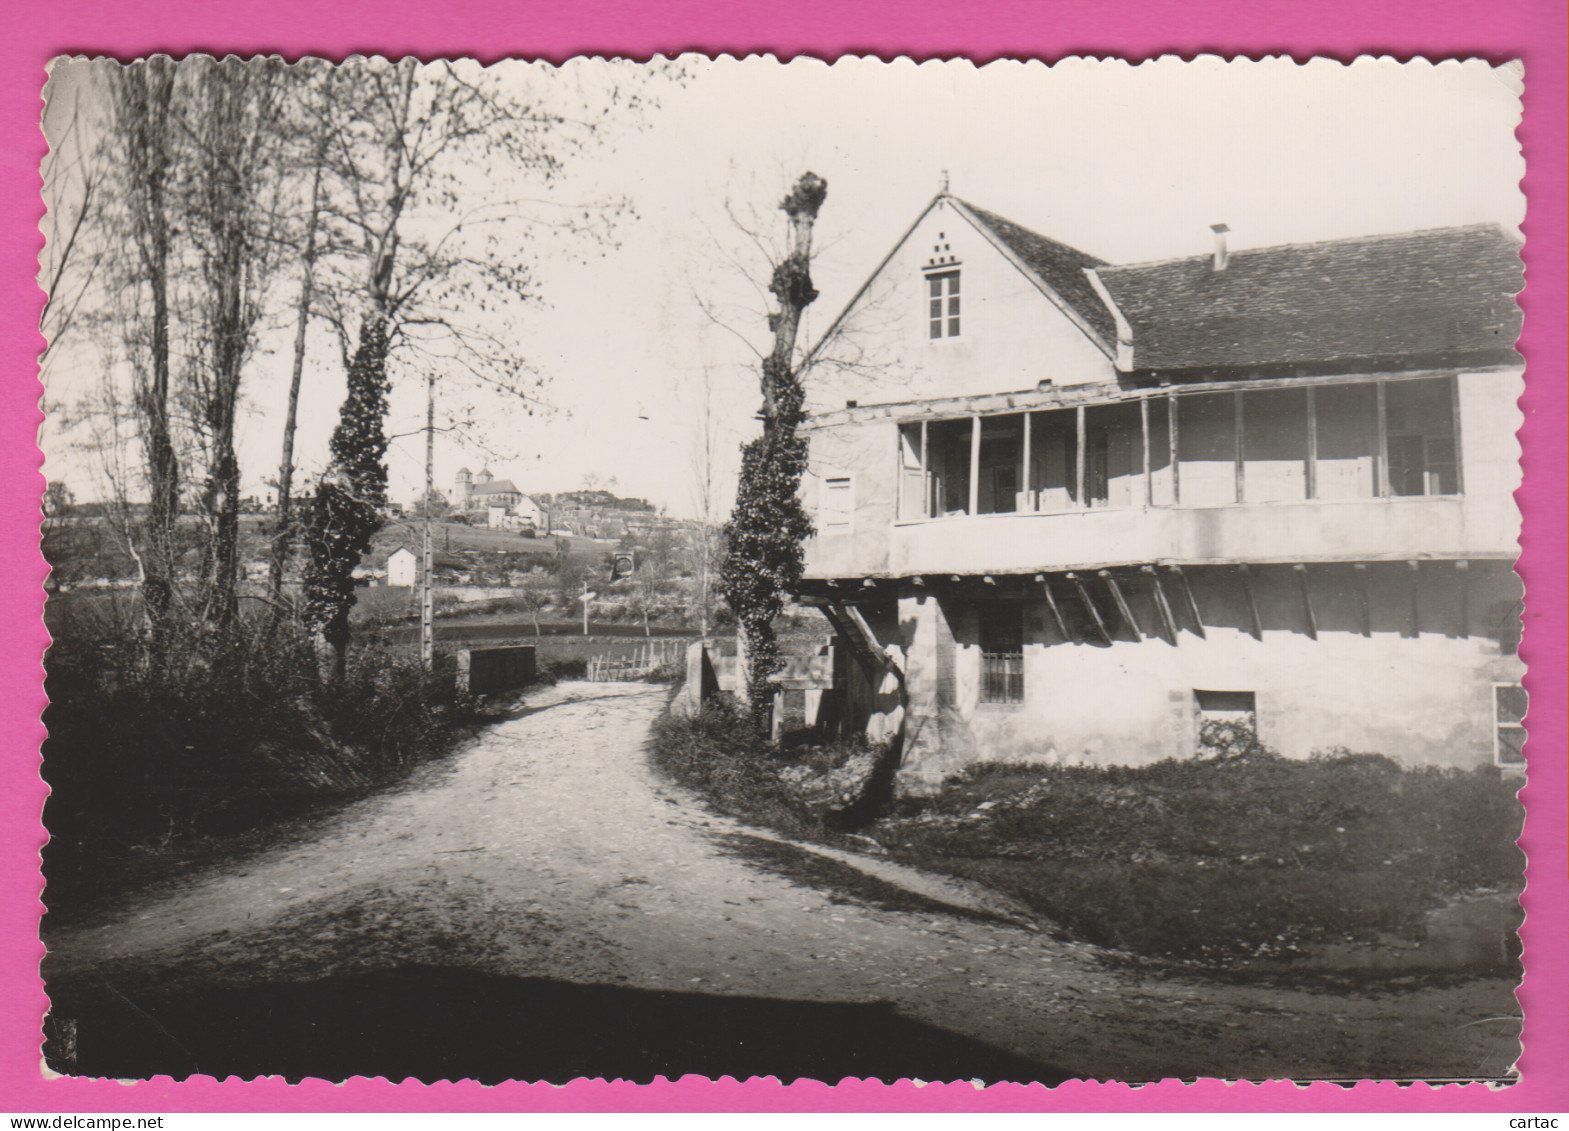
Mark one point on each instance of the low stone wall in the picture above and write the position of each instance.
(487, 671)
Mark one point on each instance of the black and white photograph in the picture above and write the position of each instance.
(819, 569)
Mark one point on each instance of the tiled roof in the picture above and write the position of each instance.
(495, 487)
(1059, 266)
(1435, 292)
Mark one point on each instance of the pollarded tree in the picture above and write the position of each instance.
(763, 554)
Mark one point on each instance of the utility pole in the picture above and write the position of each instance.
(586, 596)
(427, 627)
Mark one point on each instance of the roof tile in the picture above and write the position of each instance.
(1440, 291)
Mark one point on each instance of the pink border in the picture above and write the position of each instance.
(1532, 30)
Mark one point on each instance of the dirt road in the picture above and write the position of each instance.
(540, 906)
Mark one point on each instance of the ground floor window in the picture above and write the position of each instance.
(1228, 722)
(1509, 703)
(1002, 652)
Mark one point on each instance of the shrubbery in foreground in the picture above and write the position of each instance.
(208, 737)
(715, 754)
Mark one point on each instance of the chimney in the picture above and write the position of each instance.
(1221, 255)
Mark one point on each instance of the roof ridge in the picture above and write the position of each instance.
(1374, 237)
(987, 213)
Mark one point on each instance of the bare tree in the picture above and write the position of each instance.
(533, 597)
(70, 263)
(283, 536)
(705, 543)
(234, 122)
(145, 146)
(417, 155)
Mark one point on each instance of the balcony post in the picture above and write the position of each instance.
(926, 472)
(1078, 456)
(1454, 432)
(1310, 486)
(975, 466)
(1237, 440)
(1024, 471)
(1144, 429)
(1381, 472)
(1171, 437)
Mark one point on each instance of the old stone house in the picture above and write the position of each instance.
(402, 567)
(1079, 509)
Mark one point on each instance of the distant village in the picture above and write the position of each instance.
(515, 537)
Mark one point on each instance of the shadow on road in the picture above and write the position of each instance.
(433, 1023)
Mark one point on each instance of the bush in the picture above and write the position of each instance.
(716, 753)
(570, 667)
(385, 604)
(215, 736)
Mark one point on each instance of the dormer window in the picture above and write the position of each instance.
(943, 304)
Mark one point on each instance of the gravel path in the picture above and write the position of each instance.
(545, 854)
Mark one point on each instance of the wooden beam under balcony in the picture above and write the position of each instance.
(1122, 604)
(1089, 605)
(1364, 599)
(1414, 572)
(1307, 599)
(1247, 589)
(1187, 596)
(1463, 568)
(1162, 606)
(1056, 613)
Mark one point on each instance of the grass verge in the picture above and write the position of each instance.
(1207, 860)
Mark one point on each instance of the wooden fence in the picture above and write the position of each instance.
(642, 659)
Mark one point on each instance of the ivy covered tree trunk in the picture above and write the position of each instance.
(350, 501)
(764, 552)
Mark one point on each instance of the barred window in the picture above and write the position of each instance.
(1002, 652)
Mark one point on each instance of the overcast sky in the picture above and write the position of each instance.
(1128, 163)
